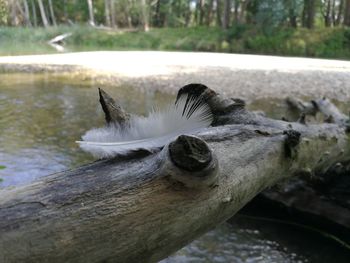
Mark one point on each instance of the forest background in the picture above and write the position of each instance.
(308, 28)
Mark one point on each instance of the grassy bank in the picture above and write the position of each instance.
(323, 43)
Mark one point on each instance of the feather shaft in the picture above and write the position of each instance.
(186, 116)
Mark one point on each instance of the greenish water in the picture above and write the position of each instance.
(23, 48)
(41, 117)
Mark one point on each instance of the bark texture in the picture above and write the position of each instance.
(142, 207)
(318, 199)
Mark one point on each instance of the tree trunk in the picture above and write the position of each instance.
(201, 12)
(188, 15)
(209, 12)
(333, 14)
(144, 16)
(65, 11)
(27, 13)
(327, 14)
(53, 18)
(42, 13)
(113, 18)
(236, 12)
(347, 13)
(144, 206)
(291, 6)
(293, 20)
(35, 20)
(219, 21)
(243, 15)
(91, 13)
(157, 14)
(14, 15)
(309, 13)
(227, 14)
(340, 13)
(107, 13)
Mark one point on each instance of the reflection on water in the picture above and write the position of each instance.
(248, 239)
(41, 116)
(230, 244)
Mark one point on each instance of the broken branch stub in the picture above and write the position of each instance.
(192, 162)
(113, 111)
(331, 112)
(307, 108)
(291, 142)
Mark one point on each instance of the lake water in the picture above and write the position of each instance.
(41, 117)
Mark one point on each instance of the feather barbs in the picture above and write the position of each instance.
(186, 116)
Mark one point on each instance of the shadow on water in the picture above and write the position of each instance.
(253, 239)
(42, 115)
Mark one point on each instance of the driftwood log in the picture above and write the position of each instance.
(320, 200)
(145, 206)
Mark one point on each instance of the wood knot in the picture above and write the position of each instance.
(190, 153)
(302, 118)
(191, 162)
(291, 141)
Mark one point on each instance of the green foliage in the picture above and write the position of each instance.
(3, 12)
(325, 43)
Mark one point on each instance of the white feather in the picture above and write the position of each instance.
(157, 129)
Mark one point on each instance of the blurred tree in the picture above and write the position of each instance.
(176, 13)
(35, 20)
(328, 12)
(13, 13)
(219, 13)
(236, 4)
(227, 14)
(107, 13)
(26, 13)
(113, 14)
(209, 16)
(201, 11)
(347, 13)
(52, 14)
(144, 16)
(243, 17)
(91, 13)
(43, 14)
(293, 9)
(340, 12)
(309, 13)
(269, 13)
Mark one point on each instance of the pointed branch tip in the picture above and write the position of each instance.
(113, 111)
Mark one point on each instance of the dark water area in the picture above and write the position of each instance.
(41, 117)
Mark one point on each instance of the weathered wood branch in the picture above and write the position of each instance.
(113, 112)
(142, 207)
(321, 200)
(59, 39)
